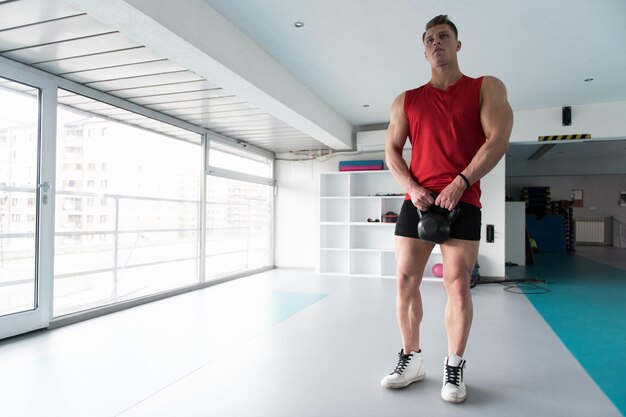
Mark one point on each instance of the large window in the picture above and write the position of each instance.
(128, 205)
(19, 122)
(239, 206)
(127, 211)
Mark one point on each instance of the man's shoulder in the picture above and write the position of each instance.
(490, 80)
(415, 91)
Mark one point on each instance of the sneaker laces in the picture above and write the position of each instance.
(403, 361)
(454, 374)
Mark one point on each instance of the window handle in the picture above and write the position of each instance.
(44, 186)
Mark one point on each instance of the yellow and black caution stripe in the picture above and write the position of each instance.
(564, 137)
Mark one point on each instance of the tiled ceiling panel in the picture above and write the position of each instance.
(166, 78)
(122, 57)
(71, 27)
(27, 12)
(91, 45)
(162, 89)
(50, 36)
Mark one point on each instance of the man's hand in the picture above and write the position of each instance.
(450, 196)
(421, 197)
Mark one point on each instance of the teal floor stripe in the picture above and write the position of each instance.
(586, 308)
(282, 304)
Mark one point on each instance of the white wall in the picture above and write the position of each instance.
(515, 244)
(600, 120)
(297, 208)
(607, 165)
(297, 213)
(491, 255)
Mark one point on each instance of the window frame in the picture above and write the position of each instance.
(23, 73)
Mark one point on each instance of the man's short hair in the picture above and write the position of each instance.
(442, 19)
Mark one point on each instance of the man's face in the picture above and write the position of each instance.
(440, 45)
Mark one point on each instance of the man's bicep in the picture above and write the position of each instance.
(496, 113)
(398, 129)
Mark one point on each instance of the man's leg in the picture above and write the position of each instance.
(411, 257)
(459, 258)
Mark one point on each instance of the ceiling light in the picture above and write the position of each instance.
(298, 24)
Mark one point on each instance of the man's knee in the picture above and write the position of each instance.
(458, 287)
(408, 280)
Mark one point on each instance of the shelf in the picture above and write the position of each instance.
(368, 183)
(363, 263)
(335, 236)
(334, 209)
(335, 262)
(334, 185)
(349, 245)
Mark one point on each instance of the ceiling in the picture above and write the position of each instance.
(574, 150)
(341, 69)
(360, 52)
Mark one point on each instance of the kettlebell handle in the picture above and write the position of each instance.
(454, 214)
(451, 216)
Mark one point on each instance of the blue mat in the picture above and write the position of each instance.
(585, 307)
(281, 304)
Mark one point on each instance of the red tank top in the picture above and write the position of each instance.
(445, 132)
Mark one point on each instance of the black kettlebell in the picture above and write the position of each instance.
(434, 224)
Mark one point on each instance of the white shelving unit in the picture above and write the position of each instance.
(349, 244)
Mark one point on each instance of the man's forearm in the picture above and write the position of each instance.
(485, 159)
(400, 170)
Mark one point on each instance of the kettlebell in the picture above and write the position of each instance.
(434, 224)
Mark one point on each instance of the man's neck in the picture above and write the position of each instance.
(443, 78)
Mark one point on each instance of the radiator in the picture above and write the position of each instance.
(589, 230)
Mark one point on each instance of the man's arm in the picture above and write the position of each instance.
(496, 116)
(397, 134)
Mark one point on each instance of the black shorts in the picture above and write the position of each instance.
(467, 226)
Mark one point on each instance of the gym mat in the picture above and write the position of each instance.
(585, 308)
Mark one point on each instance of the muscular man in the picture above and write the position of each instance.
(459, 129)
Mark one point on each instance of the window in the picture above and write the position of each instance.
(141, 234)
(238, 211)
(19, 127)
(228, 157)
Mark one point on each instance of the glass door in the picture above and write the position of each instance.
(26, 199)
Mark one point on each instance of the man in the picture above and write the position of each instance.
(459, 129)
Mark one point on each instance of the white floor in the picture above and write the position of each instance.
(236, 350)
(608, 255)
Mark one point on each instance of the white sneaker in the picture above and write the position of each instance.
(453, 389)
(410, 369)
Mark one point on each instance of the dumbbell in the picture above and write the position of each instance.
(434, 224)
